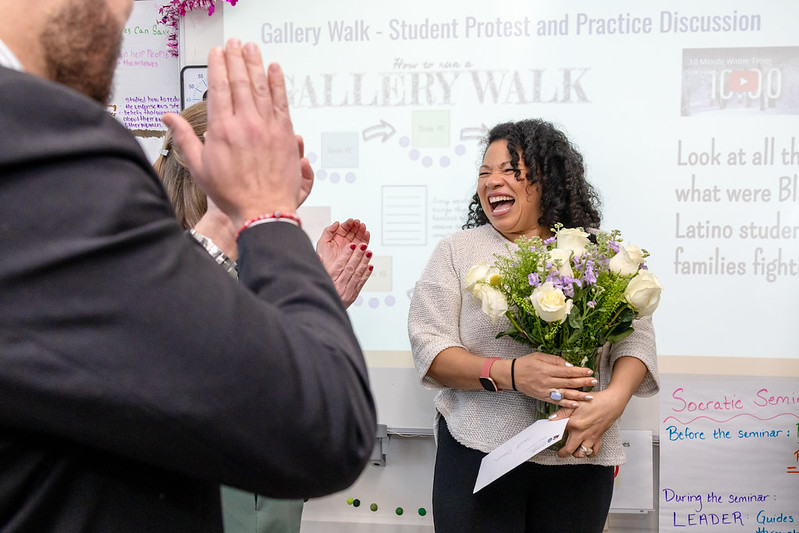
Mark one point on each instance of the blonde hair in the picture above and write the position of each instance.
(187, 197)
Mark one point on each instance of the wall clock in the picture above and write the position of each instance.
(193, 84)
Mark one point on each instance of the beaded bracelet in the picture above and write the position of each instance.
(270, 217)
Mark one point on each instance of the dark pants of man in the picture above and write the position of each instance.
(532, 498)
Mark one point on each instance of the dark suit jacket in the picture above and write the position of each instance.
(136, 375)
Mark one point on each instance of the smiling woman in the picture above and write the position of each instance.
(510, 201)
(490, 387)
(544, 163)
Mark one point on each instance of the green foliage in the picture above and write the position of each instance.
(599, 313)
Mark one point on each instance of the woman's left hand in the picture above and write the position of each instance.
(589, 422)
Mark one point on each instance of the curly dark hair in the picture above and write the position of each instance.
(555, 165)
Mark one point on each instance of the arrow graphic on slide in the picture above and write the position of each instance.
(384, 128)
(474, 133)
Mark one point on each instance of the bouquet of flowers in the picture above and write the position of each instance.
(567, 295)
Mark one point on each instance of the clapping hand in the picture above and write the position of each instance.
(343, 249)
(250, 163)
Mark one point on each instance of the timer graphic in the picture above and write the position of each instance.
(193, 84)
(740, 81)
(726, 82)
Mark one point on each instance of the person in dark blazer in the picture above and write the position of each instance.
(130, 363)
(343, 250)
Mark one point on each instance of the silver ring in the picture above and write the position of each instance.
(586, 451)
(556, 395)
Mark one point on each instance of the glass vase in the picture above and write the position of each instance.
(582, 357)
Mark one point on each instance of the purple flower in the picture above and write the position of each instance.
(550, 240)
(603, 261)
(589, 276)
(613, 245)
(591, 304)
(533, 279)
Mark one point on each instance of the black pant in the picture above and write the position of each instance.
(531, 498)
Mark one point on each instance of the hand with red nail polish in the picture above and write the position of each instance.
(343, 251)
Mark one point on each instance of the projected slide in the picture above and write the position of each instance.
(686, 114)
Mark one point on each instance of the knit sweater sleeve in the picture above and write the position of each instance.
(641, 345)
(433, 319)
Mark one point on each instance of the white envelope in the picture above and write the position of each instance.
(518, 449)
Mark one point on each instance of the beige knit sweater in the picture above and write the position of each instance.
(443, 315)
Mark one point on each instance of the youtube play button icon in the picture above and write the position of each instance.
(743, 81)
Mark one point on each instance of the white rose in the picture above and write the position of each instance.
(564, 256)
(643, 293)
(636, 254)
(493, 301)
(573, 239)
(550, 304)
(482, 271)
(627, 261)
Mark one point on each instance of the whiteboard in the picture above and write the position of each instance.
(146, 80)
(729, 454)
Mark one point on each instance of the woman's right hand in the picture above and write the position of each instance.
(539, 374)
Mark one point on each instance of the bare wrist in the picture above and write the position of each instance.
(217, 227)
(500, 373)
(619, 398)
